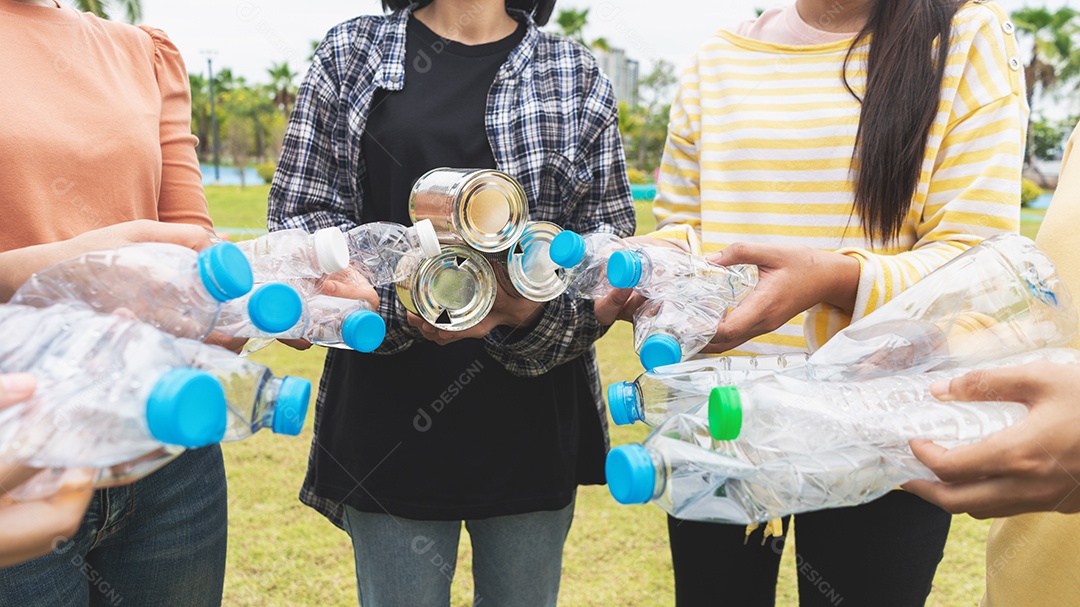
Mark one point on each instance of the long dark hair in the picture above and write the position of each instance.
(540, 10)
(903, 89)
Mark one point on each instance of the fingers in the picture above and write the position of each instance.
(13, 476)
(16, 387)
(609, 308)
(192, 237)
(296, 344)
(990, 457)
(351, 290)
(745, 322)
(233, 344)
(1016, 384)
(747, 252)
(32, 529)
(985, 499)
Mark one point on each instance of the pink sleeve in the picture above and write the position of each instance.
(181, 199)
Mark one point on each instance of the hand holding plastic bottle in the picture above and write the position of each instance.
(1030, 467)
(33, 528)
(791, 280)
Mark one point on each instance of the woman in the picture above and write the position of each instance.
(96, 132)
(847, 149)
(499, 426)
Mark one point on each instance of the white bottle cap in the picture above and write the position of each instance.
(429, 240)
(332, 250)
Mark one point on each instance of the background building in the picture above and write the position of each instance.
(623, 73)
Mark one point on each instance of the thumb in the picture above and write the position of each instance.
(607, 308)
(16, 387)
(745, 253)
(1014, 384)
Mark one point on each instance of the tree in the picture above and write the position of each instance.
(572, 23)
(1055, 55)
(132, 8)
(283, 81)
(644, 125)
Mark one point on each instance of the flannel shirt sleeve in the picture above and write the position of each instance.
(306, 190)
(568, 327)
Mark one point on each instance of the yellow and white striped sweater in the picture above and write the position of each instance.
(759, 150)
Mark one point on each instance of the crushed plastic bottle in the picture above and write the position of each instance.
(295, 253)
(256, 398)
(170, 287)
(668, 331)
(109, 390)
(1000, 297)
(585, 259)
(670, 273)
(683, 388)
(55, 481)
(385, 253)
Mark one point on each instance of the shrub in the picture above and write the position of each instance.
(637, 176)
(266, 171)
(1029, 191)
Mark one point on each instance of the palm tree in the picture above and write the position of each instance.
(1055, 54)
(282, 80)
(132, 8)
(572, 23)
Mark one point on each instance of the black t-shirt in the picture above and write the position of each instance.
(445, 432)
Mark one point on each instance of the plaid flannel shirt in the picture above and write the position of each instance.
(552, 121)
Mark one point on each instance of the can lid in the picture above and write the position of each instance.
(225, 272)
(363, 331)
(331, 249)
(725, 413)
(631, 475)
(659, 350)
(624, 269)
(429, 239)
(567, 249)
(290, 411)
(275, 308)
(187, 408)
(623, 403)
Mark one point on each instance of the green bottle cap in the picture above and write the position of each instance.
(725, 413)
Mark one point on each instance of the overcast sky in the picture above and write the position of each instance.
(248, 35)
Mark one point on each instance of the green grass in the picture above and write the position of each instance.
(282, 553)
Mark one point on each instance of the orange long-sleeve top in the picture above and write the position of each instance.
(95, 127)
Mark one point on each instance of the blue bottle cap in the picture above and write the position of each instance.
(624, 269)
(659, 350)
(631, 475)
(187, 408)
(567, 249)
(275, 308)
(225, 272)
(623, 403)
(292, 405)
(363, 331)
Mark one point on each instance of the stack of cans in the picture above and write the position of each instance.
(481, 217)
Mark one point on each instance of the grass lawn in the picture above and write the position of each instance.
(281, 553)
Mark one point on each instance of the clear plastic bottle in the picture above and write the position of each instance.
(1002, 296)
(385, 253)
(267, 311)
(256, 398)
(585, 258)
(668, 331)
(54, 481)
(295, 253)
(692, 482)
(109, 389)
(667, 272)
(344, 323)
(683, 388)
(170, 287)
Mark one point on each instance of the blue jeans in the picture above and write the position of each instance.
(158, 542)
(517, 559)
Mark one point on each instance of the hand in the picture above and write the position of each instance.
(509, 310)
(350, 284)
(141, 230)
(1032, 466)
(792, 279)
(31, 529)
